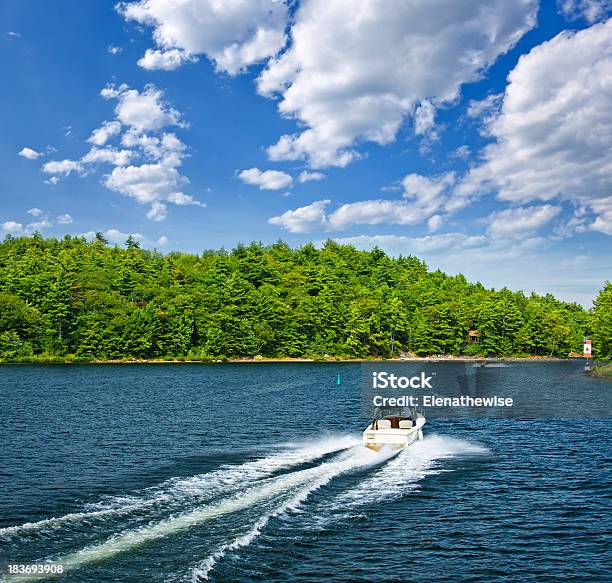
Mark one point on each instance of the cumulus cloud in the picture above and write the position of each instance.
(35, 212)
(267, 179)
(158, 211)
(108, 156)
(374, 212)
(156, 181)
(305, 219)
(518, 223)
(12, 227)
(107, 130)
(143, 110)
(182, 199)
(147, 183)
(113, 50)
(64, 219)
(306, 176)
(403, 245)
(165, 60)
(424, 118)
(233, 35)
(163, 241)
(38, 225)
(146, 167)
(355, 70)
(553, 134)
(422, 197)
(29, 153)
(62, 167)
(589, 10)
(485, 107)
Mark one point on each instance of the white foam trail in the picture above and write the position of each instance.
(202, 486)
(273, 486)
(359, 457)
(402, 474)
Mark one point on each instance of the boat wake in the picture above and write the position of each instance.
(253, 493)
(174, 492)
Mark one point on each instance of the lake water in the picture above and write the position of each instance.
(255, 472)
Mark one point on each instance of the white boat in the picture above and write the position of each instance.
(395, 431)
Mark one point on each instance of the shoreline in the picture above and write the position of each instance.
(330, 360)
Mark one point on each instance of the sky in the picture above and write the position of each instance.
(476, 135)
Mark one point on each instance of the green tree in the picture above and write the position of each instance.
(601, 323)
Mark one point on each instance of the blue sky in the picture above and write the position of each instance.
(475, 135)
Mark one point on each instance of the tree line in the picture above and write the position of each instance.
(89, 300)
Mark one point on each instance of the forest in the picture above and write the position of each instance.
(73, 299)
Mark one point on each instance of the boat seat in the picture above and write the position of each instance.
(384, 424)
(405, 424)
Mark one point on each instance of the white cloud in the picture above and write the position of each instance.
(116, 236)
(158, 211)
(374, 212)
(485, 107)
(142, 111)
(424, 118)
(108, 156)
(107, 130)
(64, 219)
(167, 147)
(35, 212)
(164, 60)
(589, 10)
(267, 179)
(423, 197)
(113, 50)
(462, 152)
(29, 153)
(434, 223)
(233, 34)
(12, 227)
(428, 192)
(141, 117)
(38, 225)
(157, 182)
(553, 135)
(62, 167)
(146, 183)
(403, 245)
(53, 180)
(163, 241)
(304, 219)
(355, 69)
(518, 223)
(14, 34)
(310, 176)
(181, 199)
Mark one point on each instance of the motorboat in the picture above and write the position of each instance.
(394, 430)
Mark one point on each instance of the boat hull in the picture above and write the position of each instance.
(376, 439)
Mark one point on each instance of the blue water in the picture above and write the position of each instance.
(254, 472)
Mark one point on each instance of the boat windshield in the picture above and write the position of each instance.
(387, 412)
